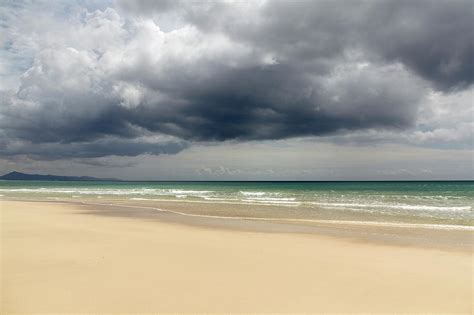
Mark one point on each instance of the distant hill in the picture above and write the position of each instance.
(23, 176)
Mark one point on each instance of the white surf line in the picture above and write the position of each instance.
(224, 202)
(334, 222)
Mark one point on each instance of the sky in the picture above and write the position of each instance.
(238, 90)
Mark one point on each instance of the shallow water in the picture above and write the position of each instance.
(434, 202)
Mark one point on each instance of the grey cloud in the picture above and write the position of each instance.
(106, 162)
(433, 38)
(92, 149)
(146, 7)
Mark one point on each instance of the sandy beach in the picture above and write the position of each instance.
(64, 258)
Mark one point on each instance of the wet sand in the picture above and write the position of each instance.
(275, 219)
(61, 257)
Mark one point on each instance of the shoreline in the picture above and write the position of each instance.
(434, 236)
(116, 202)
(449, 227)
(60, 257)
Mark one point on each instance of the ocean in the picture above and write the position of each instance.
(443, 204)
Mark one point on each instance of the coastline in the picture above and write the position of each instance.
(238, 217)
(65, 257)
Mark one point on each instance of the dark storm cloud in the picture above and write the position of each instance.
(100, 148)
(233, 71)
(42, 127)
(279, 102)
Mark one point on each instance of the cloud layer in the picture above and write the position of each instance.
(147, 77)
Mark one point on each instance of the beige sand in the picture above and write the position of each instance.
(58, 258)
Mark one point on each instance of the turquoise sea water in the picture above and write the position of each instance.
(441, 202)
